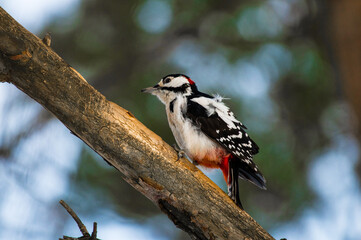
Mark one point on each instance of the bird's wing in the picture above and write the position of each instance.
(216, 121)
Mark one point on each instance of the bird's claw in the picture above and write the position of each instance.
(195, 162)
(180, 152)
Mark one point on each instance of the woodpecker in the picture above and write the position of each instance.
(208, 132)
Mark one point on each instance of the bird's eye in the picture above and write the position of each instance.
(167, 80)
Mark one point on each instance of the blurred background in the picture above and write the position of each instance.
(291, 69)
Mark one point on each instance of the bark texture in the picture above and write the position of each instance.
(185, 194)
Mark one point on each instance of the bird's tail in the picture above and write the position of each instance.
(231, 172)
(250, 172)
(233, 189)
(233, 168)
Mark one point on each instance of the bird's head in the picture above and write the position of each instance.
(171, 86)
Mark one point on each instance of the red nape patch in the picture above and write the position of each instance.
(191, 81)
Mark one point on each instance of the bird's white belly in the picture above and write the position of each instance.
(198, 146)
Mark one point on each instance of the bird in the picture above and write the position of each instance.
(207, 131)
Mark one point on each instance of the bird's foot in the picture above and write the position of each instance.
(195, 162)
(179, 151)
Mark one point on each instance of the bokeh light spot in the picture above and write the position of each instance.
(154, 16)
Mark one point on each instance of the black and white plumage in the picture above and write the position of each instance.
(207, 131)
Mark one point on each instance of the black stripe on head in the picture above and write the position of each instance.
(191, 83)
(181, 89)
(194, 88)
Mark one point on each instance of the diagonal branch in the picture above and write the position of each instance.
(81, 226)
(186, 195)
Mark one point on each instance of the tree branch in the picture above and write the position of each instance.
(71, 212)
(82, 228)
(185, 194)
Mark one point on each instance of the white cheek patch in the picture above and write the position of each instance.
(176, 82)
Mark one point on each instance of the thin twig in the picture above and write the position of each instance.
(81, 226)
(94, 233)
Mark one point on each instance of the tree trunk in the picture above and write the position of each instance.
(193, 202)
(345, 32)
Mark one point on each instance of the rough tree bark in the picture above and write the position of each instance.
(193, 202)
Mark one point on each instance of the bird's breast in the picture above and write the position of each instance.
(198, 146)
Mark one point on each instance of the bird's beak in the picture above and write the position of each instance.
(150, 89)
